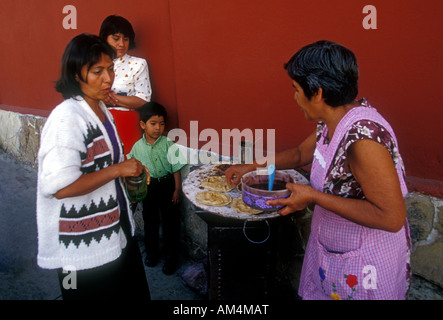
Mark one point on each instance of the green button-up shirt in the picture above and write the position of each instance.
(161, 158)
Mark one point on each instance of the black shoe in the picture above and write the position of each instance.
(170, 266)
(151, 260)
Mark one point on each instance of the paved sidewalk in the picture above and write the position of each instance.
(20, 277)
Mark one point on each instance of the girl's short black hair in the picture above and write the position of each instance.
(83, 49)
(150, 109)
(115, 24)
(327, 65)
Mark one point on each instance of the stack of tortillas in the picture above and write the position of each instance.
(217, 183)
(213, 198)
(239, 205)
(216, 195)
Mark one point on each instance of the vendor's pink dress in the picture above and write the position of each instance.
(345, 260)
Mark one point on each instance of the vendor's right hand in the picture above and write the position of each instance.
(131, 168)
(234, 173)
(301, 196)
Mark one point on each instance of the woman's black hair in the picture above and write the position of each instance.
(327, 65)
(115, 24)
(151, 109)
(84, 49)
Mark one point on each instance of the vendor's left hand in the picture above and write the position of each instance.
(300, 198)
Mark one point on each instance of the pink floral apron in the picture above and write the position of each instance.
(345, 260)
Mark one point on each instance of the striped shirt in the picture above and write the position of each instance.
(161, 158)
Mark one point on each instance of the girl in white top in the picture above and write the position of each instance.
(132, 79)
(132, 87)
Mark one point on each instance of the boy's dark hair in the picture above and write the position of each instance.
(83, 49)
(327, 65)
(115, 24)
(150, 109)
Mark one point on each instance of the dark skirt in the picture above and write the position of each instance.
(123, 278)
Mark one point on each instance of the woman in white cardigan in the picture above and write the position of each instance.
(85, 229)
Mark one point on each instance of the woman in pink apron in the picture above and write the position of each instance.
(359, 244)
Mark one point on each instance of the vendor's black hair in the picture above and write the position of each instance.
(327, 65)
(83, 49)
(115, 24)
(150, 109)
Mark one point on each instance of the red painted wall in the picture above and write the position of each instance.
(220, 62)
(31, 52)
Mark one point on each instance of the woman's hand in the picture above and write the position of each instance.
(301, 196)
(131, 168)
(112, 99)
(234, 173)
(129, 102)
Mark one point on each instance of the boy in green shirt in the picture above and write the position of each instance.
(164, 161)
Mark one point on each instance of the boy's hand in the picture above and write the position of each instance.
(176, 198)
(148, 178)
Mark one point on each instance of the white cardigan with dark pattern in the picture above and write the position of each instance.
(77, 232)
